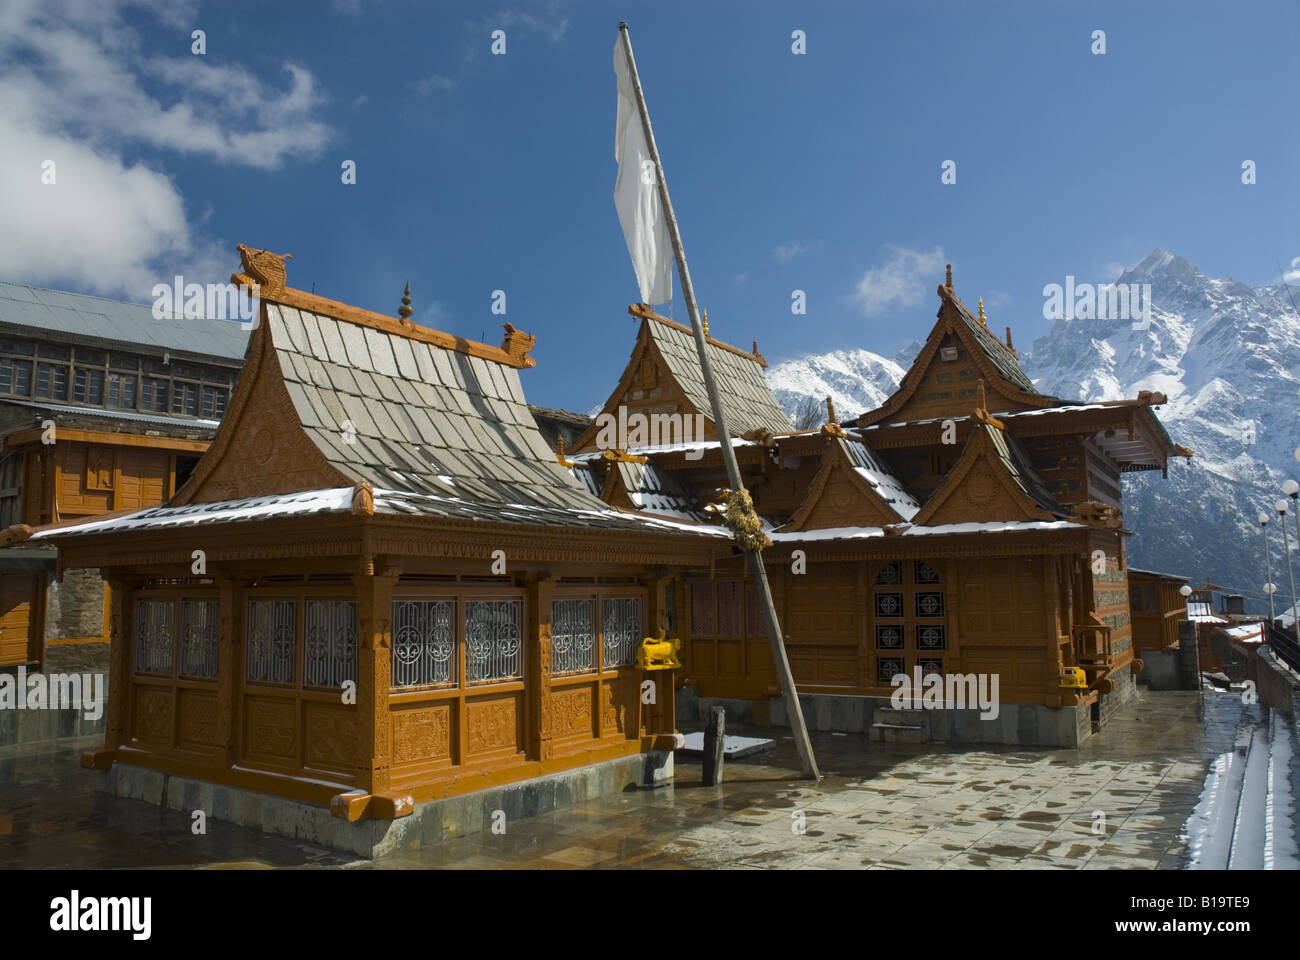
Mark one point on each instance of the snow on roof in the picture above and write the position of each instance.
(1247, 631)
(868, 466)
(867, 533)
(1201, 612)
(386, 502)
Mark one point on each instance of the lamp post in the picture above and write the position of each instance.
(1268, 566)
(1280, 507)
(1292, 490)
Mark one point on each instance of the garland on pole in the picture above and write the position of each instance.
(743, 522)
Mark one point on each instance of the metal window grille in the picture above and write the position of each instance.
(755, 621)
(573, 636)
(493, 640)
(155, 624)
(889, 604)
(929, 667)
(889, 637)
(887, 668)
(931, 637)
(272, 636)
(890, 573)
(929, 604)
(621, 622)
(424, 643)
(329, 643)
(200, 629)
(925, 573)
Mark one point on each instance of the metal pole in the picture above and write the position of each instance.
(1295, 610)
(1286, 551)
(754, 558)
(1268, 566)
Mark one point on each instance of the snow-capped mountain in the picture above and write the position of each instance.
(855, 380)
(1227, 356)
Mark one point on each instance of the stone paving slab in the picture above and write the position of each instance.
(879, 806)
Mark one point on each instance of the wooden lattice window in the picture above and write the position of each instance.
(728, 608)
(271, 641)
(702, 608)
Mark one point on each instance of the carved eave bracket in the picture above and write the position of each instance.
(1099, 515)
(262, 269)
(517, 345)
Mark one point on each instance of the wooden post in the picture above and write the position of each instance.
(540, 590)
(230, 665)
(714, 740)
(117, 724)
(374, 676)
(753, 557)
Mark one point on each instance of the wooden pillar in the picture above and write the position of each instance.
(374, 675)
(230, 666)
(537, 675)
(121, 631)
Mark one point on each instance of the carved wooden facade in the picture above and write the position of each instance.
(968, 525)
(379, 587)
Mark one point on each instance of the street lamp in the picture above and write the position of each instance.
(1185, 590)
(1268, 566)
(1280, 507)
(1292, 490)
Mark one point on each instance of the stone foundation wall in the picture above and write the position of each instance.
(75, 607)
(429, 825)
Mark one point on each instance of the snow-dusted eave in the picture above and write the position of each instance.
(387, 503)
(940, 530)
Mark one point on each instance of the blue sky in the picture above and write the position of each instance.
(818, 172)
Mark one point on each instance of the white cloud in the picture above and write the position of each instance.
(785, 252)
(79, 86)
(427, 85)
(902, 279)
(1292, 275)
(552, 25)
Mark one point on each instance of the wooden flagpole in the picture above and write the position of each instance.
(754, 558)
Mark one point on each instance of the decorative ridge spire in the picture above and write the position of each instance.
(983, 319)
(982, 414)
(948, 281)
(705, 323)
(832, 426)
(559, 452)
(405, 311)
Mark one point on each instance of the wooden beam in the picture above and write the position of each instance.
(103, 436)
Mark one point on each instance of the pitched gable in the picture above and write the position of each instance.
(942, 381)
(991, 481)
(852, 489)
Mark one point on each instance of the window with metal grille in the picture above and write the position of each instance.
(153, 394)
(623, 632)
(424, 643)
(271, 639)
(200, 629)
(329, 646)
(51, 381)
(214, 402)
(185, 398)
(15, 376)
(121, 390)
(573, 636)
(88, 386)
(755, 621)
(493, 640)
(155, 625)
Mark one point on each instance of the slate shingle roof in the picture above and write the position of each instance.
(1003, 359)
(426, 420)
(112, 321)
(873, 470)
(747, 400)
(661, 492)
(1013, 456)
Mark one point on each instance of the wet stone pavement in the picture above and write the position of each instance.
(879, 806)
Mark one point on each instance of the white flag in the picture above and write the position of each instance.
(636, 193)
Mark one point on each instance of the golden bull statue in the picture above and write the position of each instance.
(1074, 678)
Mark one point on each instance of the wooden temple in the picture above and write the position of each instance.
(379, 587)
(969, 525)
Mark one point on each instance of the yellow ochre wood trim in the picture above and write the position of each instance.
(117, 439)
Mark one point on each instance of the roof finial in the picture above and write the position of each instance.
(948, 282)
(831, 427)
(983, 319)
(705, 323)
(405, 311)
(559, 452)
(983, 404)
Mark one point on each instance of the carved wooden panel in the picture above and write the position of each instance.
(571, 712)
(198, 714)
(1001, 599)
(493, 724)
(617, 704)
(331, 735)
(270, 730)
(1022, 671)
(422, 734)
(152, 717)
(821, 607)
